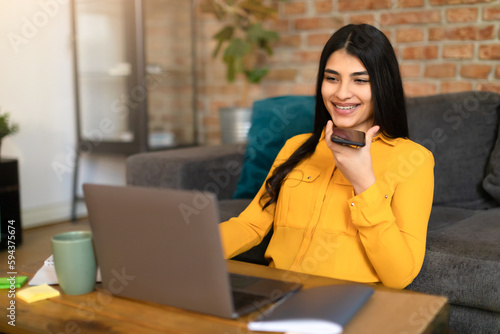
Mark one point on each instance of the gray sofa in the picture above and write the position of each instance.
(462, 259)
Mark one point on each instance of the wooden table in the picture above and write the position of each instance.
(387, 311)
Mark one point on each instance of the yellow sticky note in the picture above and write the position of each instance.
(36, 293)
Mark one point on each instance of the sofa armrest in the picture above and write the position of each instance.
(210, 168)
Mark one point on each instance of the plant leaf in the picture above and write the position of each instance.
(231, 71)
(258, 9)
(255, 76)
(237, 48)
(261, 37)
(7, 129)
(225, 34)
(233, 57)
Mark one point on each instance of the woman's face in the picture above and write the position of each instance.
(347, 93)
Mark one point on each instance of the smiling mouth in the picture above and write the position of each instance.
(345, 107)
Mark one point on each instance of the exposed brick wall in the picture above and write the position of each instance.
(442, 46)
(169, 82)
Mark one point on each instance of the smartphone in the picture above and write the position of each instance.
(348, 137)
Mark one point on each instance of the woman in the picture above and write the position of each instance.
(358, 214)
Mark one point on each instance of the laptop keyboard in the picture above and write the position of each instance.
(252, 293)
(240, 281)
(246, 302)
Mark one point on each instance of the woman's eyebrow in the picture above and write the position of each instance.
(354, 74)
(331, 71)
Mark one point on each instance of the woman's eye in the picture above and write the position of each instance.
(362, 80)
(330, 79)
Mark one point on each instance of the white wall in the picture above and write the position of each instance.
(36, 87)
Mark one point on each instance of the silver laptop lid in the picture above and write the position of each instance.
(160, 245)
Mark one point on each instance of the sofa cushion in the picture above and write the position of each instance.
(462, 262)
(491, 182)
(208, 168)
(460, 129)
(470, 320)
(274, 120)
(443, 216)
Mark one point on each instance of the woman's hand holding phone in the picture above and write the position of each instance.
(354, 163)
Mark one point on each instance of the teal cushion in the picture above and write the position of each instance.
(274, 121)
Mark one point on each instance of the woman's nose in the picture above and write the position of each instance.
(344, 91)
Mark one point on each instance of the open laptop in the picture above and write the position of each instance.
(163, 246)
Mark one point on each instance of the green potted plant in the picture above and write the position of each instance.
(6, 128)
(243, 44)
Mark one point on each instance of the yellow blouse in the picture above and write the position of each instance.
(322, 228)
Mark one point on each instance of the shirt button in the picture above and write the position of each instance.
(352, 204)
(385, 196)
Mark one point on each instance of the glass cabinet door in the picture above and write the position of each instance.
(169, 57)
(107, 72)
(104, 67)
(134, 77)
(134, 74)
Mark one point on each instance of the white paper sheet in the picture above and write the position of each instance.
(47, 274)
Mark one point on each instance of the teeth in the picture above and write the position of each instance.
(345, 108)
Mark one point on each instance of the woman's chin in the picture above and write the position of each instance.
(345, 125)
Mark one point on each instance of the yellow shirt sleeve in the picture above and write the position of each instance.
(392, 216)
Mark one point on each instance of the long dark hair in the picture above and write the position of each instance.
(372, 47)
